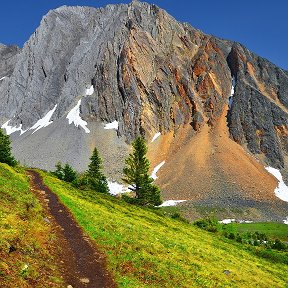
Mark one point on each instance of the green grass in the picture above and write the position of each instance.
(25, 239)
(272, 230)
(145, 249)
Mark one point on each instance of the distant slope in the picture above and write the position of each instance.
(148, 250)
(27, 242)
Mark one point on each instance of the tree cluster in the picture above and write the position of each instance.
(135, 175)
(93, 178)
(66, 173)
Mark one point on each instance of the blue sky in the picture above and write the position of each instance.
(262, 26)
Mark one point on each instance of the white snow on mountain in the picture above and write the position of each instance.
(44, 122)
(74, 117)
(227, 221)
(113, 125)
(156, 136)
(281, 190)
(10, 129)
(90, 91)
(116, 188)
(170, 203)
(232, 92)
(156, 169)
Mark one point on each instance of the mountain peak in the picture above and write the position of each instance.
(213, 102)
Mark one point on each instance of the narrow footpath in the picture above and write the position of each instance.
(82, 264)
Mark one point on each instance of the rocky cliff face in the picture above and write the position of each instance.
(137, 65)
(258, 115)
(8, 56)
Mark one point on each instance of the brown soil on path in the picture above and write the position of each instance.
(82, 264)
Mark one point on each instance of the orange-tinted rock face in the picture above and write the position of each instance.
(171, 75)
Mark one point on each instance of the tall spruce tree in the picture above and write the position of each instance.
(5, 150)
(95, 177)
(137, 177)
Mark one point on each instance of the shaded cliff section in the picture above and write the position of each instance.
(150, 73)
(258, 116)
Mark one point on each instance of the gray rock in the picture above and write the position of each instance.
(47, 220)
(150, 73)
(258, 117)
(8, 59)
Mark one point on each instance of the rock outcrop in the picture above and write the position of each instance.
(8, 59)
(258, 116)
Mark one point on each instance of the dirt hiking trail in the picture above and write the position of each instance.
(82, 264)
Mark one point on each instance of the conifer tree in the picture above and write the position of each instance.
(95, 177)
(137, 177)
(59, 173)
(69, 174)
(5, 150)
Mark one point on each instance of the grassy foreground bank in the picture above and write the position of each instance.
(26, 240)
(148, 250)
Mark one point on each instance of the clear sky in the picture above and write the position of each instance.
(261, 25)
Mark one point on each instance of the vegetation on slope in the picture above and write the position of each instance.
(136, 175)
(263, 245)
(145, 249)
(26, 241)
(272, 230)
(5, 150)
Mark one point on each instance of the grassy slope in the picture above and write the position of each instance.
(272, 230)
(22, 227)
(148, 250)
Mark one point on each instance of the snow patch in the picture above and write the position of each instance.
(232, 92)
(3, 78)
(286, 221)
(90, 91)
(116, 188)
(170, 203)
(113, 125)
(10, 129)
(74, 117)
(44, 122)
(156, 169)
(281, 191)
(156, 136)
(227, 221)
